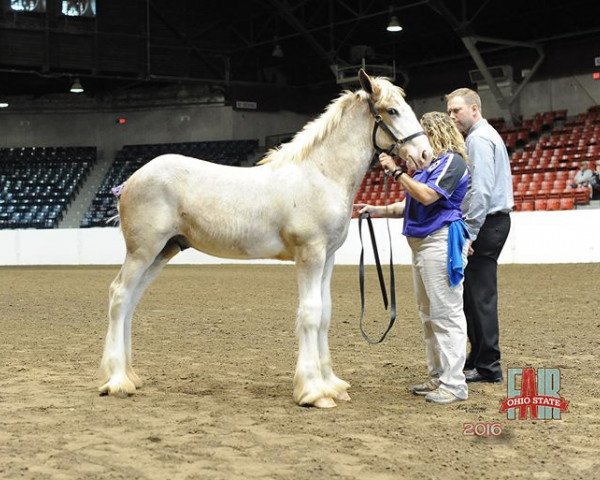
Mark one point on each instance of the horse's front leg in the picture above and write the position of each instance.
(339, 386)
(309, 387)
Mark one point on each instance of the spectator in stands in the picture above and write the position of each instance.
(584, 176)
(486, 209)
(436, 234)
(595, 183)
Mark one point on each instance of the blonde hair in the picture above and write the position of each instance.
(443, 134)
(469, 96)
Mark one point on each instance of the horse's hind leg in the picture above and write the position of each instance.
(171, 249)
(122, 293)
(126, 290)
(333, 382)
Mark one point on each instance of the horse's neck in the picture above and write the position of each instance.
(345, 154)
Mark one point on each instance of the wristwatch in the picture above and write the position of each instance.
(397, 172)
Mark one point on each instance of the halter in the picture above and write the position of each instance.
(380, 123)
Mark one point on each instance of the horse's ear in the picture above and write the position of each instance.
(368, 85)
(365, 81)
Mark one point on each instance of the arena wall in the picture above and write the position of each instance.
(575, 93)
(535, 238)
(185, 123)
(144, 126)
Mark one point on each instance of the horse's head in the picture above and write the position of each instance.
(388, 102)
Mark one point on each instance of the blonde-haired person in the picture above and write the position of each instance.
(436, 234)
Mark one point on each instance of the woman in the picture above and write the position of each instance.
(436, 234)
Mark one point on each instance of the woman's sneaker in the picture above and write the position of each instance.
(429, 386)
(442, 396)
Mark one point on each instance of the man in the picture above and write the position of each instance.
(584, 176)
(486, 209)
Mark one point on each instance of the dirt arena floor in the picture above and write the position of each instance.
(215, 346)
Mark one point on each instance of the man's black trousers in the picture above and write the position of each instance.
(481, 296)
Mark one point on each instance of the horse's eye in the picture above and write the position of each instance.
(392, 111)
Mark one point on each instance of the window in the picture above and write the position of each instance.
(28, 5)
(79, 8)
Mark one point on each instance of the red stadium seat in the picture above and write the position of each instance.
(559, 184)
(537, 177)
(582, 195)
(567, 203)
(529, 195)
(549, 176)
(527, 206)
(526, 177)
(555, 193)
(540, 204)
(521, 187)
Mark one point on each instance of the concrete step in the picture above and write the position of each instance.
(76, 211)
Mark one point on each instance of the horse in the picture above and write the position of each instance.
(295, 204)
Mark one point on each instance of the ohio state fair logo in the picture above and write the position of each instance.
(533, 396)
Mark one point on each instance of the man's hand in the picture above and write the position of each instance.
(470, 250)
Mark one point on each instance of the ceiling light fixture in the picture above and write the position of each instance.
(3, 105)
(394, 25)
(277, 51)
(76, 87)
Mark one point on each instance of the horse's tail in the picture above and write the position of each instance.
(116, 191)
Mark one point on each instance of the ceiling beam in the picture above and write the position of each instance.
(287, 14)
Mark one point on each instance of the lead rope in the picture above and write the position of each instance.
(361, 273)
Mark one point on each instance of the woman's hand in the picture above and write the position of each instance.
(387, 162)
(395, 210)
(365, 208)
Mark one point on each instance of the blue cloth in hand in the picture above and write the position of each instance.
(457, 234)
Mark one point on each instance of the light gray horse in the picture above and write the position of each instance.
(295, 206)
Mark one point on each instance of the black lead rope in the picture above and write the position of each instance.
(361, 279)
(379, 123)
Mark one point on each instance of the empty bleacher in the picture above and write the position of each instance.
(37, 184)
(132, 157)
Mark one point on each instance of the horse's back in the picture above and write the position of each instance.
(215, 207)
(233, 212)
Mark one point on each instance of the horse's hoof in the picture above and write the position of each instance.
(134, 379)
(122, 390)
(343, 397)
(324, 402)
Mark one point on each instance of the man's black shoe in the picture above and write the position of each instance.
(474, 376)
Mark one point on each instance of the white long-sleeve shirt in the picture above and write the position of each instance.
(490, 190)
(583, 177)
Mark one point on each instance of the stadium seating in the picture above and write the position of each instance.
(374, 191)
(545, 167)
(37, 184)
(132, 157)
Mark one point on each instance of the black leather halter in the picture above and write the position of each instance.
(380, 123)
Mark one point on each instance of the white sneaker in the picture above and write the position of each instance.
(441, 396)
(430, 385)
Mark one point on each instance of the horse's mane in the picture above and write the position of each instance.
(316, 130)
